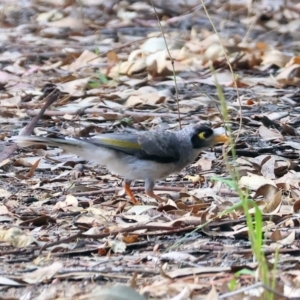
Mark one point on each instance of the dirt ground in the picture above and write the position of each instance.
(79, 68)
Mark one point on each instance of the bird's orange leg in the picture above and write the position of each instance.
(149, 186)
(126, 185)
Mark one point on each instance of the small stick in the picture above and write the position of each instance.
(28, 129)
(104, 113)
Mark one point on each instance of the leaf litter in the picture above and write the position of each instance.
(67, 230)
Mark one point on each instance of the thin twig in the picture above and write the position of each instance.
(106, 234)
(248, 288)
(230, 67)
(28, 129)
(172, 62)
(141, 188)
(134, 189)
(104, 113)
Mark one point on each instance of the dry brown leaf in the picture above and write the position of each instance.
(204, 163)
(69, 22)
(23, 162)
(253, 181)
(32, 169)
(289, 240)
(274, 205)
(117, 246)
(269, 134)
(213, 294)
(296, 206)
(3, 209)
(119, 69)
(9, 282)
(291, 178)
(268, 191)
(214, 52)
(129, 239)
(184, 294)
(268, 168)
(86, 58)
(146, 99)
(294, 145)
(275, 57)
(117, 292)
(43, 274)
(112, 57)
(137, 67)
(75, 88)
(290, 75)
(16, 237)
(155, 44)
(4, 193)
(276, 236)
(70, 203)
(177, 256)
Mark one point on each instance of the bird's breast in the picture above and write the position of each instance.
(187, 156)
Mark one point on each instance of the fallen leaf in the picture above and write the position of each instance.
(43, 274)
(253, 181)
(268, 134)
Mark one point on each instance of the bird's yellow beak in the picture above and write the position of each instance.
(221, 138)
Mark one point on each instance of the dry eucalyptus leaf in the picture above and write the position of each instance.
(43, 274)
(253, 181)
(268, 191)
(274, 205)
(16, 237)
(118, 292)
(117, 246)
(289, 240)
(269, 134)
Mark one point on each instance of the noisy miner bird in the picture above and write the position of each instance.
(148, 155)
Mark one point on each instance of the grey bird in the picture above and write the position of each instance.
(147, 155)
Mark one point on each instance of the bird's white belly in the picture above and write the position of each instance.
(132, 168)
(128, 166)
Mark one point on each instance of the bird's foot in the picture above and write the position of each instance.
(128, 191)
(154, 196)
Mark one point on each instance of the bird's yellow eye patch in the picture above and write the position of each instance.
(202, 135)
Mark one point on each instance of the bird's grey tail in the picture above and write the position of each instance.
(71, 145)
(75, 146)
(25, 141)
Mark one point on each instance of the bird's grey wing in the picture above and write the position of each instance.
(124, 142)
(152, 145)
(159, 146)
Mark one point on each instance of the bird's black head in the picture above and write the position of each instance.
(203, 137)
